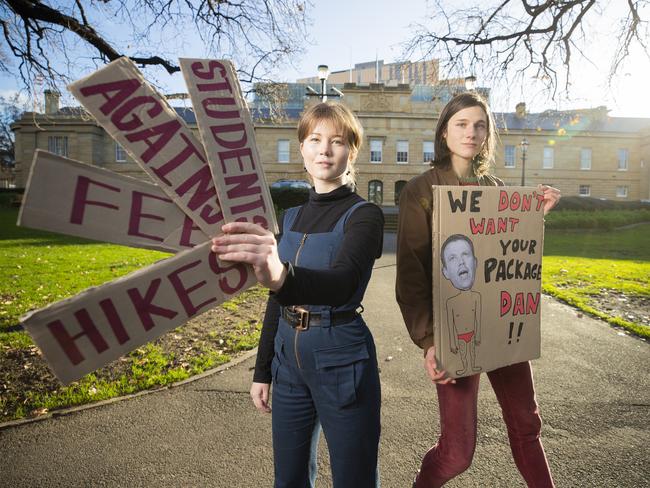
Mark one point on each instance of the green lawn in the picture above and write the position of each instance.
(38, 268)
(580, 266)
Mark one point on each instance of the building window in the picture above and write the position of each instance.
(509, 157)
(120, 153)
(584, 190)
(623, 156)
(376, 147)
(402, 151)
(399, 186)
(283, 150)
(549, 156)
(375, 192)
(621, 191)
(427, 151)
(585, 158)
(58, 145)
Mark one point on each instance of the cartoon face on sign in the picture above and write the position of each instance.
(459, 262)
(463, 309)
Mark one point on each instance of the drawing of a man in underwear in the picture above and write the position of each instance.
(463, 309)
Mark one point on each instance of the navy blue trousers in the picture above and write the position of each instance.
(326, 376)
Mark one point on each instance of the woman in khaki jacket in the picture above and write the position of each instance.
(464, 148)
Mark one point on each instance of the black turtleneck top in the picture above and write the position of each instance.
(362, 244)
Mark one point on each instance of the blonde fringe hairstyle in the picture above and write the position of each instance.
(344, 120)
(483, 159)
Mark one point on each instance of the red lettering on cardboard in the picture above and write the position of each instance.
(134, 122)
(244, 185)
(122, 90)
(208, 103)
(67, 341)
(189, 150)
(237, 155)
(136, 215)
(114, 320)
(184, 293)
(155, 137)
(205, 191)
(229, 129)
(144, 306)
(186, 233)
(225, 286)
(81, 198)
(527, 305)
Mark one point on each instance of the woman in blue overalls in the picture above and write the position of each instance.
(315, 347)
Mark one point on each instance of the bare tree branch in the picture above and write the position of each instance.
(256, 34)
(519, 36)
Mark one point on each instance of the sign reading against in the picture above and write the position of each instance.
(487, 270)
(87, 331)
(77, 199)
(142, 121)
(227, 132)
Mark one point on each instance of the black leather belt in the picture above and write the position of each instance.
(300, 318)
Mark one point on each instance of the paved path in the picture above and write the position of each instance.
(592, 384)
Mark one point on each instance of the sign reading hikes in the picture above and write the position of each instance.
(181, 211)
(487, 269)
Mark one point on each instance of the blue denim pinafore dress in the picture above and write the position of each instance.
(325, 376)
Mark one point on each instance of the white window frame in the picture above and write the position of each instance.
(586, 192)
(585, 158)
(624, 160)
(621, 192)
(431, 152)
(284, 153)
(374, 152)
(58, 145)
(401, 144)
(120, 153)
(548, 159)
(509, 162)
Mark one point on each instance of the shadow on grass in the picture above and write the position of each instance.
(9, 231)
(629, 243)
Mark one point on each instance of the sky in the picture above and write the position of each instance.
(343, 33)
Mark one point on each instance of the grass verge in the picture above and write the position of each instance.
(603, 273)
(38, 268)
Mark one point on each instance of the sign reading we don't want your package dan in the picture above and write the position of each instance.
(487, 269)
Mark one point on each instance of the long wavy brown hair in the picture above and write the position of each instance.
(483, 159)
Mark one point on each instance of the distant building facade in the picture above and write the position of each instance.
(582, 152)
(409, 73)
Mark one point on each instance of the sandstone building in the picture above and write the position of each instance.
(582, 152)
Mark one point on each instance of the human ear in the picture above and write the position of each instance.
(445, 272)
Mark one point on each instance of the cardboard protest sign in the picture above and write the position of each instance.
(85, 332)
(74, 198)
(487, 269)
(228, 136)
(142, 121)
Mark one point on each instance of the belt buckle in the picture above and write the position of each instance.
(303, 318)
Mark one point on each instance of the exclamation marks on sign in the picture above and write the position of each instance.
(512, 326)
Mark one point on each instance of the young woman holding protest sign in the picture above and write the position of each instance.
(464, 148)
(315, 347)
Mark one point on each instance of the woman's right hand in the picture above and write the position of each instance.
(431, 366)
(260, 396)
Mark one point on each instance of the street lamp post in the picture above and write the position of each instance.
(323, 73)
(524, 149)
(470, 83)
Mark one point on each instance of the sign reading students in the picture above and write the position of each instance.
(487, 269)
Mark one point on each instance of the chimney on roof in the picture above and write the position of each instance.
(52, 101)
(520, 110)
